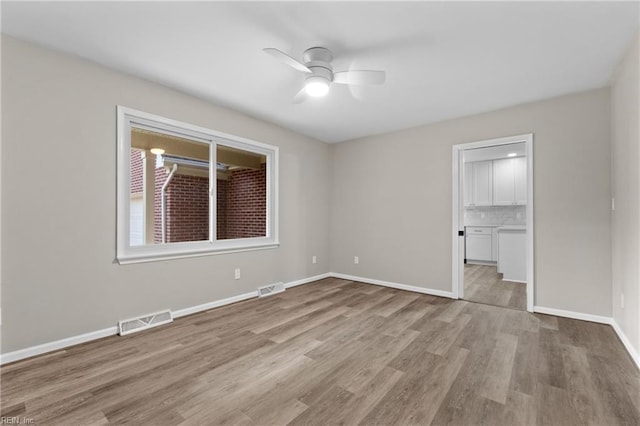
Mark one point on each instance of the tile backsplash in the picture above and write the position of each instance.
(495, 215)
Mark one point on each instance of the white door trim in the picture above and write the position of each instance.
(457, 252)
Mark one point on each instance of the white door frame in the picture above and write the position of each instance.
(457, 286)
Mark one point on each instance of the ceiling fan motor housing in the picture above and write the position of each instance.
(318, 60)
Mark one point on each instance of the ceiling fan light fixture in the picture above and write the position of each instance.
(316, 63)
(316, 86)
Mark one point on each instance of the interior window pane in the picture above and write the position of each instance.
(241, 197)
(169, 189)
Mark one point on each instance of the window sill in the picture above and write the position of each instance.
(143, 257)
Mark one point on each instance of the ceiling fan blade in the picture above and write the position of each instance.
(359, 77)
(300, 97)
(283, 57)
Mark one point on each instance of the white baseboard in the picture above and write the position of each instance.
(215, 304)
(625, 341)
(399, 286)
(573, 315)
(58, 344)
(111, 331)
(307, 280)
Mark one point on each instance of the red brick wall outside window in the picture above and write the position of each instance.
(241, 204)
(246, 206)
(135, 162)
(187, 209)
(221, 212)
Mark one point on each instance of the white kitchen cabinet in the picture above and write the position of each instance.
(503, 182)
(478, 183)
(512, 253)
(494, 244)
(483, 183)
(478, 244)
(510, 181)
(520, 166)
(468, 185)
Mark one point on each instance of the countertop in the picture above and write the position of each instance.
(512, 228)
(496, 225)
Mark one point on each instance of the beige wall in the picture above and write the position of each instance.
(386, 199)
(59, 278)
(391, 200)
(625, 100)
(1, 173)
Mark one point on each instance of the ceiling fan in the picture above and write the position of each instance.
(316, 62)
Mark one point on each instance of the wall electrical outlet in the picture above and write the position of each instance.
(236, 274)
(314, 259)
(356, 260)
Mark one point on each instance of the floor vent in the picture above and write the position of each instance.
(268, 290)
(142, 323)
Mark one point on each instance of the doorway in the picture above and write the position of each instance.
(493, 222)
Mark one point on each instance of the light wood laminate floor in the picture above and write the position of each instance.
(333, 352)
(483, 284)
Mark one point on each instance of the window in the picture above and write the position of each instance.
(184, 190)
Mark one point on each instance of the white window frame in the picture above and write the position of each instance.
(126, 253)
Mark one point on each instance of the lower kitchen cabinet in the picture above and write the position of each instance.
(478, 244)
(512, 254)
(494, 244)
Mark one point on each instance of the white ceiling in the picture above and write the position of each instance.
(443, 60)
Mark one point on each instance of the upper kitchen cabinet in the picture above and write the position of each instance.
(468, 184)
(521, 179)
(510, 181)
(504, 190)
(478, 177)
